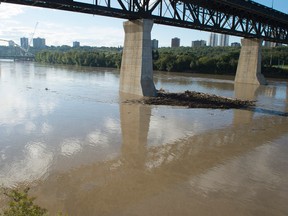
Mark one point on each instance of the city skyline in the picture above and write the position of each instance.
(62, 28)
(215, 40)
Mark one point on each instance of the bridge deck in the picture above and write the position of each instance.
(243, 18)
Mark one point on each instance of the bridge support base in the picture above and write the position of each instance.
(136, 74)
(249, 65)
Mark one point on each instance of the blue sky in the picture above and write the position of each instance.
(62, 28)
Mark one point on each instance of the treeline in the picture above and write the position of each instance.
(80, 58)
(218, 60)
(202, 59)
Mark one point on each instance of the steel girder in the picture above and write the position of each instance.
(243, 18)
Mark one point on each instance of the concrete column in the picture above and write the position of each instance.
(249, 64)
(136, 74)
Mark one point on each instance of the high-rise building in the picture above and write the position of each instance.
(154, 43)
(213, 41)
(198, 43)
(235, 44)
(24, 43)
(269, 44)
(76, 44)
(175, 42)
(39, 43)
(224, 40)
(11, 43)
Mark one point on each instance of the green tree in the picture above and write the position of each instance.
(22, 205)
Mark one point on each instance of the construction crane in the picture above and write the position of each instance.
(26, 51)
(31, 38)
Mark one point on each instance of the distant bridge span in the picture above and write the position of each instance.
(243, 18)
(18, 58)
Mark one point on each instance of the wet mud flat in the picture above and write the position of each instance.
(193, 99)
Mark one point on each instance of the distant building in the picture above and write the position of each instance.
(270, 44)
(39, 43)
(76, 44)
(213, 40)
(198, 43)
(11, 43)
(154, 43)
(24, 43)
(224, 40)
(175, 42)
(235, 44)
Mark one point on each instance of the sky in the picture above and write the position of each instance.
(62, 28)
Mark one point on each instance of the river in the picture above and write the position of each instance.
(66, 133)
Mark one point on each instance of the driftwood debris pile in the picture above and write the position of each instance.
(192, 99)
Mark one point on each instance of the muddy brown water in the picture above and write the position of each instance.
(65, 133)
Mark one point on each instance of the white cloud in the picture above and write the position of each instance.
(10, 27)
(8, 11)
(59, 34)
(57, 31)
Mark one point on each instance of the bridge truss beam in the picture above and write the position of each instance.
(243, 18)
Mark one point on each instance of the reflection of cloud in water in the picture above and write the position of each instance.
(164, 131)
(2, 155)
(46, 107)
(241, 173)
(35, 164)
(14, 108)
(70, 146)
(46, 128)
(164, 154)
(97, 138)
(112, 124)
(30, 127)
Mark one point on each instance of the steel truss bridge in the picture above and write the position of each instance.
(243, 18)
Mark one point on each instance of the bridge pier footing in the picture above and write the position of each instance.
(249, 64)
(136, 73)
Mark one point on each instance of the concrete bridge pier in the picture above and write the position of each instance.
(249, 64)
(136, 73)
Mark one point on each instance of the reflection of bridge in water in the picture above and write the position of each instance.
(143, 172)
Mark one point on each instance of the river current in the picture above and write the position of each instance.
(66, 133)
